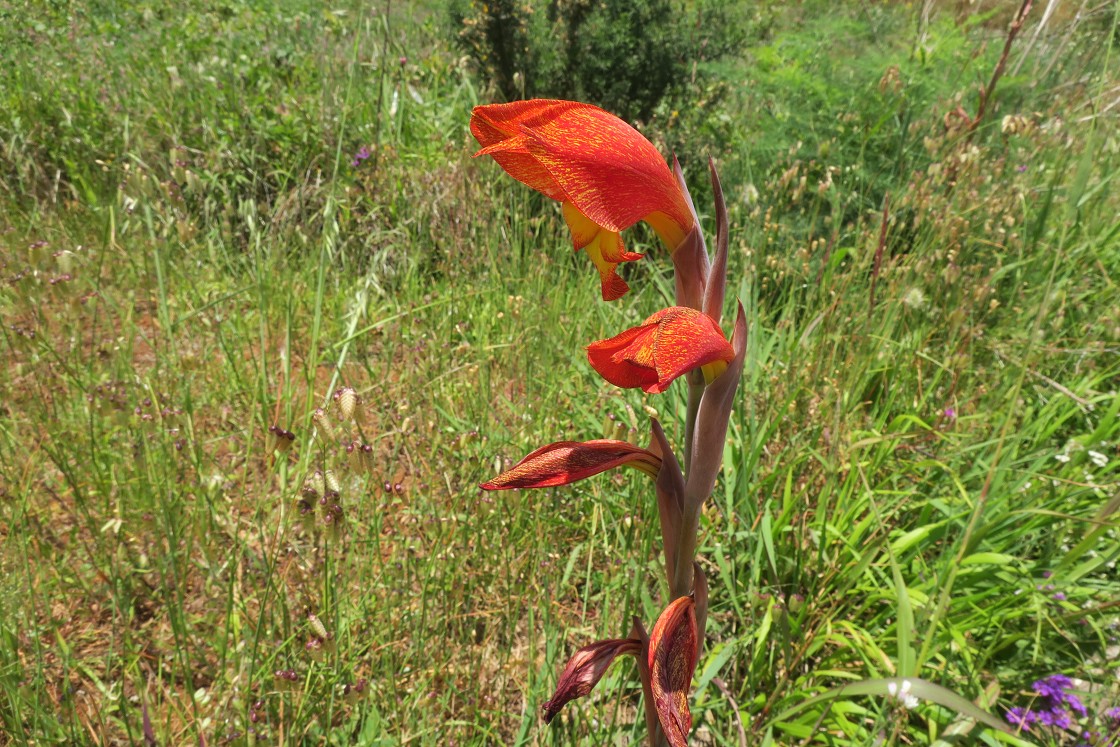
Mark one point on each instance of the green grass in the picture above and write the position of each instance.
(905, 479)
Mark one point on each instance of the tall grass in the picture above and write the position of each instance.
(919, 485)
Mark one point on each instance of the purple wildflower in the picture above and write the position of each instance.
(1076, 705)
(1059, 596)
(1022, 717)
(950, 413)
(1022, 167)
(1053, 687)
(1058, 718)
(362, 154)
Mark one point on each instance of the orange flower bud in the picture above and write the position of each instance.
(565, 462)
(670, 343)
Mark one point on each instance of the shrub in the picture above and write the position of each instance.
(623, 55)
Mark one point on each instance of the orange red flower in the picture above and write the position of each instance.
(606, 174)
(670, 343)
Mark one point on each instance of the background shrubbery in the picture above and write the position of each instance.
(213, 215)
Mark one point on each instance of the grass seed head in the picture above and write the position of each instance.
(323, 422)
(348, 402)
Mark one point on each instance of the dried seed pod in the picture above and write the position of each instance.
(354, 456)
(65, 259)
(353, 692)
(315, 485)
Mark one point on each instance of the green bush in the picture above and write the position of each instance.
(624, 55)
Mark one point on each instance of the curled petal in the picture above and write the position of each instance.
(673, 653)
(585, 669)
(669, 344)
(498, 130)
(568, 461)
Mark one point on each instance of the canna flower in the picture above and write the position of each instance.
(674, 649)
(585, 669)
(604, 172)
(669, 344)
(566, 462)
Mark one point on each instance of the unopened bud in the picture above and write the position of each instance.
(585, 669)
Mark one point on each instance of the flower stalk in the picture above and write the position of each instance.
(607, 178)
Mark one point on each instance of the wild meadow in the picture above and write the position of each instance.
(266, 327)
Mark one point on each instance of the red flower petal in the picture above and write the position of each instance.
(607, 168)
(498, 129)
(673, 653)
(567, 461)
(585, 669)
(669, 344)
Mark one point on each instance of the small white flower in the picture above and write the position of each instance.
(1098, 458)
(903, 695)
(1063, 458)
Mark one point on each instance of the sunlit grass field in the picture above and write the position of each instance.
(923, 473)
